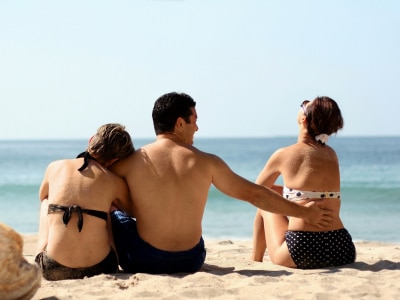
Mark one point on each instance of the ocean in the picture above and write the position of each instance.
(370, 182)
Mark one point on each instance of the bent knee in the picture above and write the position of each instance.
(282, 258)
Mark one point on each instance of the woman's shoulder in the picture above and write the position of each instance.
(288, 150)
(282, 155)
(61, 165)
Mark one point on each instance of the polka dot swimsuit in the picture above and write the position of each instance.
(296, 195)
(311, 250)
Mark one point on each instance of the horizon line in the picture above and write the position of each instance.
(199, 137)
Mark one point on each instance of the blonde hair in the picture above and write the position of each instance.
(110, 141)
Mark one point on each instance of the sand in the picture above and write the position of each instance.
(229, 274)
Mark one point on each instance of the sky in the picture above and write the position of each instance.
(67, 67)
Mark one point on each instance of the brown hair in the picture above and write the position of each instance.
(323, 116)
(110, 141)
(168, 108)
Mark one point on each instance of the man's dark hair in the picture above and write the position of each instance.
(168, 108)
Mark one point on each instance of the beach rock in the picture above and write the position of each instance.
(18, 278)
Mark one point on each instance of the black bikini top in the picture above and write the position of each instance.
(86, 156)
(68, 210)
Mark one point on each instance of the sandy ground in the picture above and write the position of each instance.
(230, 274)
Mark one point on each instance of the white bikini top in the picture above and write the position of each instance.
(296, 195)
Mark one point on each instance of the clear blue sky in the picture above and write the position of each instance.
(66, 67)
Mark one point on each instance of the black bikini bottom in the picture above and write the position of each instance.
(52, 270)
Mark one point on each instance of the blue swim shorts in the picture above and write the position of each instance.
(137, 256)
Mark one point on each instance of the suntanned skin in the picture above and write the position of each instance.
(169, 181)
(94, 188)
(308, 166)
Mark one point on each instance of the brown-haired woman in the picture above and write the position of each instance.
(310, 173)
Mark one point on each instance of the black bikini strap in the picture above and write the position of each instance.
(86, 156)
(79, 210)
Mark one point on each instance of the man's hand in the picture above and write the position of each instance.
(318, 216)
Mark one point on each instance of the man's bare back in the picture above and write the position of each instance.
(170, 181)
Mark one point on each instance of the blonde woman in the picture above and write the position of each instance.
(75, 238)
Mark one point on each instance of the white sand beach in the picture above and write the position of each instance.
(229, 274)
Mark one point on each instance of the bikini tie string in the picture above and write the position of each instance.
(86, 156)
(68, 213)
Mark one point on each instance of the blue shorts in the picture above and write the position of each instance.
(314, 250)
(137, 256)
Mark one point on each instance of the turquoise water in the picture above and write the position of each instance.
(370, 176)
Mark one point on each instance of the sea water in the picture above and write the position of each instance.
(370, 182)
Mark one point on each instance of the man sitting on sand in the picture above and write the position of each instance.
(169, 181)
